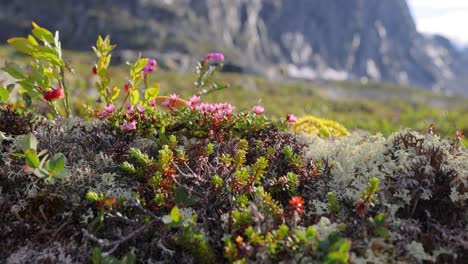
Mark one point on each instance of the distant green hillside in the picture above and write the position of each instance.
(374, 106)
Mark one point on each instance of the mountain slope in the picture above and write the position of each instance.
(334, 39)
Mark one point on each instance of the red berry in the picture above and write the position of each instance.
(127, 87)
(53, 94)
(95, 70)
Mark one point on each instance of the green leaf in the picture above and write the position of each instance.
(49, 54)
(29, 142)
(115, 93)
(32, 160)
(42, 33)
(152, 92)
(96, 255)
(180, 195)
(23, 45)
(43, 160)
(57, 163)
(139, 65)
(25, 85)
(130, 258)
(14, 70)
(175, 215)
(27, 99)
(92, 196)
(4, 94)
(62, 174)
(10, 87)
(32, 40)
(134, 97)
(41, 173)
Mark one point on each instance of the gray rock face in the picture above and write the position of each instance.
(336, 39)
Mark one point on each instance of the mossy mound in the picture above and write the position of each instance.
(234, 198)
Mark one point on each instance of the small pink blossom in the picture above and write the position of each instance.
(216, 110)
(258, 110)
(193, 101)
(27, 169)
(127, 104)
(152, 102)
(166, 102)
(211, 133)
(291, 118)
(150, 67)
(174, 99)
(128, 126)
(214, 56)
(106, 111)
(140, 109)
(131, 111)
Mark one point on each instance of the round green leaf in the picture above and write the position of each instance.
(4, 94)
(134, 97)
(27, 99)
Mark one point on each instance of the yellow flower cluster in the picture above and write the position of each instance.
(319, 126)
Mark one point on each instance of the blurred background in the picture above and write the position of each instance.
(369, 64)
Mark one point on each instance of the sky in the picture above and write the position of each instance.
(445, 17)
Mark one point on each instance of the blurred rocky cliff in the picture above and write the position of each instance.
(332, 39)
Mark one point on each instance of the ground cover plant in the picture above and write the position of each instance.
(155, 178)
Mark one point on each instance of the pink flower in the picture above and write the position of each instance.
(258, 110)
(211, 133)
(128, 126)
(174, 98)
(214, 56)
(291, 118)
(140, 109)
(150, 67)
(107, 110)
(131, 111)
(193, 101)
(127, 104)
(166, 103)
(152, 102)
(27, 169)
(216, 110)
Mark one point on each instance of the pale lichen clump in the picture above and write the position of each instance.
(423, 185)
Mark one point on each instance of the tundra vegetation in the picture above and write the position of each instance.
(144, 177)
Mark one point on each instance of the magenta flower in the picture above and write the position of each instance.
(166, 103)
(150, 67)
(193, 101)
(131, 111)
(214, 56)
(218, 111)
(291, 118)
(258, 110)
(106, 111)
(152, 102)
(127, 104)
(174, 98)
(140, 109)
(128, 126)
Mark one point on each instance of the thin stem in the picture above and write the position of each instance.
(125, 99)
(65, 91)
(54, 109)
